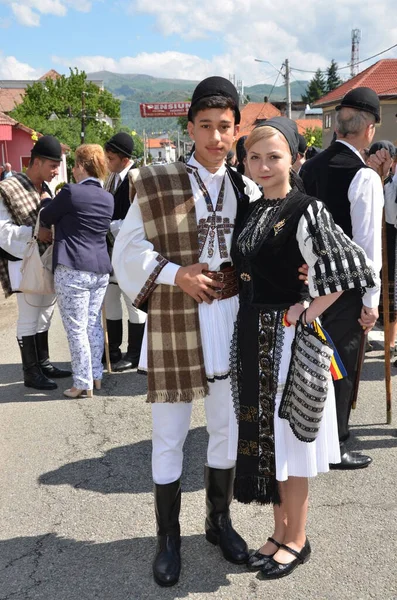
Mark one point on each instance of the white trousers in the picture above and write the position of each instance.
(80, 297)
(34, 313)
(113, 308)
(171, 425)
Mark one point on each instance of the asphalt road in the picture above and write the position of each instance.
(76, 507)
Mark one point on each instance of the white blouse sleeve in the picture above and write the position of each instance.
(335, 262)
(137, 266)
(13, 238)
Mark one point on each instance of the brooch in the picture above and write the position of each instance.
(245, 276)
(278, 226)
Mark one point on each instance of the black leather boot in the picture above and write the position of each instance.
(32, 373)
(130, 359)
(115, 337)
(43, 357)
(167, 561)
(218, 525)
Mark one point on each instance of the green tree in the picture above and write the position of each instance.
(138, 141)
(333, 79)
(314, 137)
(62, 99)
(316, 88)
(182, 124)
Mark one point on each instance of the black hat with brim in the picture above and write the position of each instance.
(215, 86)
(362, 98)
(47, 147)
(121, 143)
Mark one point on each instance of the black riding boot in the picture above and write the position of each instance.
(130, 359)
(43, 357)
(218, 525)
(115, 337)
(32, 373)
(167, 561)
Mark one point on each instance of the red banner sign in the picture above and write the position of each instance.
(165, 109)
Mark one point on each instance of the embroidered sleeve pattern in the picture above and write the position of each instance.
(150, 282)
(335, 262)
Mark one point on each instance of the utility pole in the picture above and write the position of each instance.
(82, 117)
(288, 86)
(144, 148)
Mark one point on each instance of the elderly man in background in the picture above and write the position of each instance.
(353, 194)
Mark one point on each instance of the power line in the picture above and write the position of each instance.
(347, 66)
(299, 83)
(274, 85)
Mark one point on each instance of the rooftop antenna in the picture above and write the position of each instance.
(356, 37)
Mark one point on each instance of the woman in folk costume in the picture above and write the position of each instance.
(173, 250)
(285, 438)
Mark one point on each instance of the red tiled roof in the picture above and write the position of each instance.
(381, 77)
(10, 98)
(304, 124)
(253, 111)
(6, 120)
(159, 143)
(51, 74)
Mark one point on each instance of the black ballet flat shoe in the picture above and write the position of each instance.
(256, 560)
(275, 570)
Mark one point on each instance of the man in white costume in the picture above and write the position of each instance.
(173, 251)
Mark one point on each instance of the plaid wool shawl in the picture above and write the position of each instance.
(22, 202)
(176, 370)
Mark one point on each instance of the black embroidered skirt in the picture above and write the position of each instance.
(255, 361)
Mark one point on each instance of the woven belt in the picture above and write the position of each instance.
(228, 277)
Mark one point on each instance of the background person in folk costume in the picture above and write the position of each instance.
(279, 449)
(180, 224)
(301, 158)
(353, 194)
(387, 150)
(20, 198)
(119, 150)
(7, 172)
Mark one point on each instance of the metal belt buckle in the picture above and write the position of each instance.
(221, 275)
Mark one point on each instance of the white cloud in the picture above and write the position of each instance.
(309, 33)
(158, 64)
(11, 68)
(28, 12)
(25, 15)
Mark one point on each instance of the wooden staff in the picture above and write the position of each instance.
(386, 319)
(360, 362)
(105, 331)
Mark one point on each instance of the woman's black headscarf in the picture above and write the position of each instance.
(289, 130)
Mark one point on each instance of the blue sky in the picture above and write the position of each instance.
(186, 38)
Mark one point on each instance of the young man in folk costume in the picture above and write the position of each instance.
(119, 151)
(174, 251)
(20, 200)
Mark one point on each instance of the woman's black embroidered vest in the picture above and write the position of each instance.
(328, 177)
(270, 277)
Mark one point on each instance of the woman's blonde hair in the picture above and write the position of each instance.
(262, 133)
(92, 158)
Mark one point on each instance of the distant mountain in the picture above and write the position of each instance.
(134, 89)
